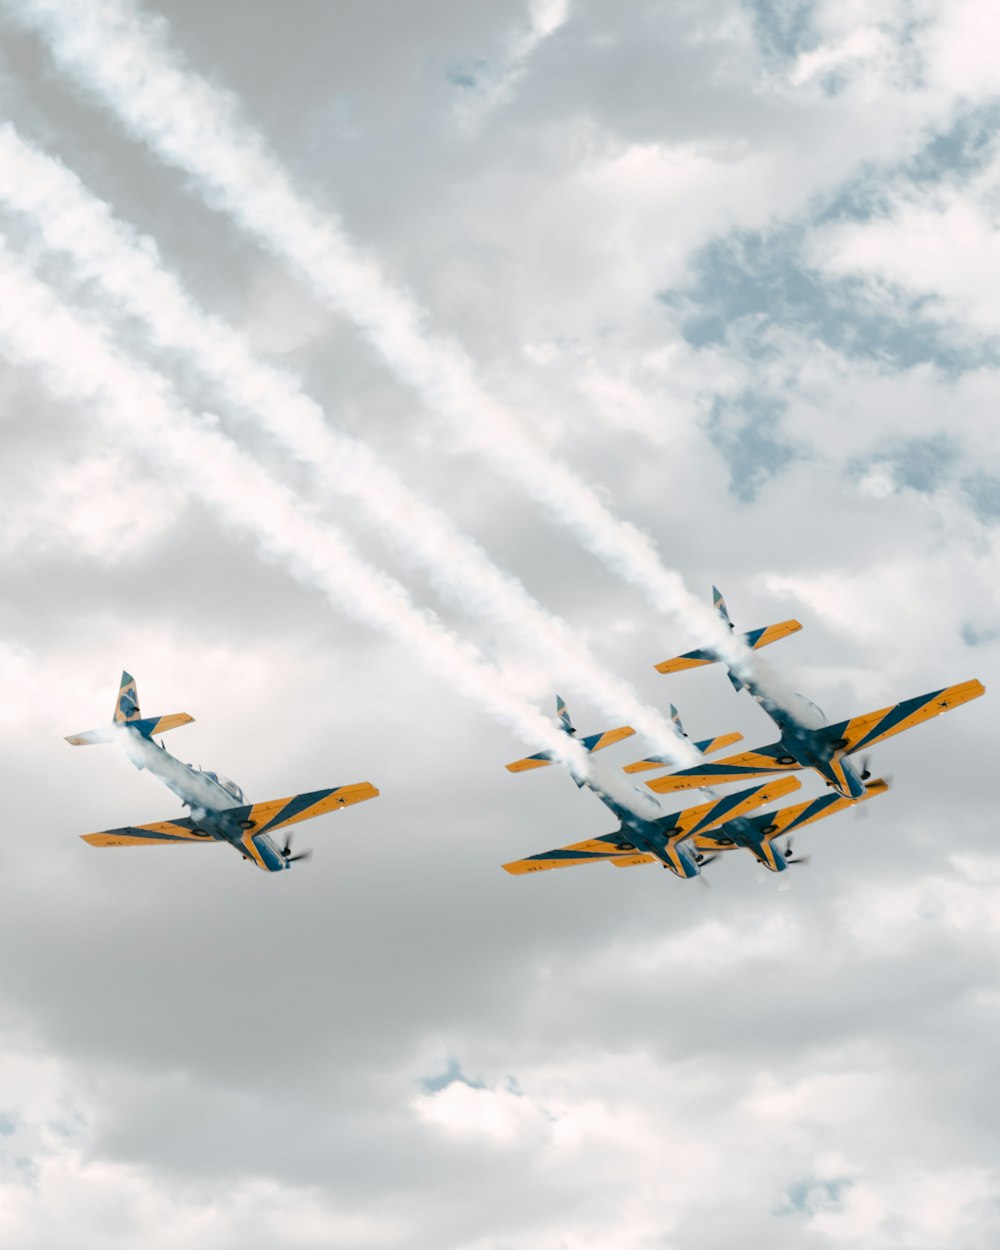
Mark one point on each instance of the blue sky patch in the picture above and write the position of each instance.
(452, 1073)
(811, 1195)
(745, 431)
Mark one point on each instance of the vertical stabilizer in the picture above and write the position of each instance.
(127, 707)
(720, 605)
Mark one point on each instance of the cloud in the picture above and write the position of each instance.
(107, 255)
(249, 1061)
(487, 86)
(128, 63)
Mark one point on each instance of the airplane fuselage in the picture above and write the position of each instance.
(809, 747)
(647, 836)
(743, 833)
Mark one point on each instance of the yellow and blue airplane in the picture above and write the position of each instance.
(822, 747)
(219, 812)
(652, 837)
(759, 834)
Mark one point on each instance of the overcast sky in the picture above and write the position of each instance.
(728, 271)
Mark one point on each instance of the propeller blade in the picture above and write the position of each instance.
(799, 859)
(290, 859)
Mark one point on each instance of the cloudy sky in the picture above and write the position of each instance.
(373, 370)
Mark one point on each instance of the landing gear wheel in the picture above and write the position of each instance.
(786, 760)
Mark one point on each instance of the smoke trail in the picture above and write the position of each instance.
(124, 57)
(108, 253)
(78, 364)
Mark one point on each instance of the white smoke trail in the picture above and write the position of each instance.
(107, 253)
(124, 57)
(78, 364)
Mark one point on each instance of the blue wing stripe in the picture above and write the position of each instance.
(899, 713)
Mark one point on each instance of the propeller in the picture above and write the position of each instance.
(286, 852)
(864, 771)
(794, 859)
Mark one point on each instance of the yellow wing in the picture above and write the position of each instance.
(592, 851)
(255, 818)
(162, 833)
(865, 731)
(769, 759)
(277, 813)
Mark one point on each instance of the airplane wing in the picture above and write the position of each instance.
(693, 820)
(769, 759)
(770, 825)
(277, 813)
(255, 818)
(163, 833)
(865, 731)
(611, 847)
(616, 849)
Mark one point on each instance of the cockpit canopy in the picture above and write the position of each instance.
(808, 713)
(229, 786)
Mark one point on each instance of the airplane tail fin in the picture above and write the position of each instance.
(755, 639)
(592, 743)
(127, 714)
(127, 705)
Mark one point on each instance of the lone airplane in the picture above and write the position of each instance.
(655, 837)
(217, 805)
(824, 748)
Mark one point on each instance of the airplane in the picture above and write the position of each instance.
(759, 834)
(822, 747)
(219, 812)
(657, 836)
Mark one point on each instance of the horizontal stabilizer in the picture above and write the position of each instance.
(704, 748)
(148, 727)
(160, 724)
(92, 737)
(595, 742)
(755, 639)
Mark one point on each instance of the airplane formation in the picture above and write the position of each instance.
(683, 841)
